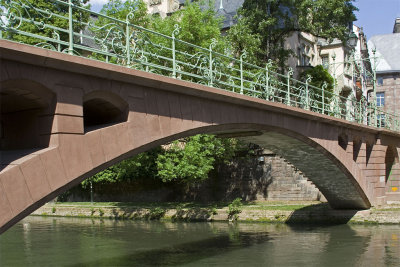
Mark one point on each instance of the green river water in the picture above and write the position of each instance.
(55, 241)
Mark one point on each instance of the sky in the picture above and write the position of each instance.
(375, 16)
(98, 4)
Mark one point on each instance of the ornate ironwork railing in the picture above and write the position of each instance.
(79, 31)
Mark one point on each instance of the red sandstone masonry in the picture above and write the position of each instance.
(162, 109)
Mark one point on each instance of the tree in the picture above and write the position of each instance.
(37, 11)
(120, 9)
(319, 75)
(193, 159)
(272, 21)
(198, 23)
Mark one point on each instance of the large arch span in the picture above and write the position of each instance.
(344, 160)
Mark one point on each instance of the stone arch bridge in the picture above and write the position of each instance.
(65, 118)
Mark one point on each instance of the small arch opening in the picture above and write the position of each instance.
(26, 113)
(101, 109)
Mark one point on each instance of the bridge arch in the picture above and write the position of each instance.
(340, 183)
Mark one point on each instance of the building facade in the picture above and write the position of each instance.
(387, 64)
(348, 65)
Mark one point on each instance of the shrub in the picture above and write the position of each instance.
(234, 209)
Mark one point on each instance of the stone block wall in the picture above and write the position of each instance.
(264, 177)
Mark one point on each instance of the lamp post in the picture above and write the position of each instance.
(352, 41)
(372, 101)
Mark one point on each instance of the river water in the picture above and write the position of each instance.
(51, 241)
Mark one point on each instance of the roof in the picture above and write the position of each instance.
(387, 51)
(228, 11)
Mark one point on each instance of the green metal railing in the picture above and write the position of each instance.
(79, 31)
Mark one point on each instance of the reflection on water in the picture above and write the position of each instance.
(38, 241)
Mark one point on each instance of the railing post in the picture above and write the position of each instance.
(267, 90)
(324, 85)
(242, 56)
(308, 80)
(174, 32)
(290, 72)
(70, 29)
(57, 36)
(337, 107)
(349, 106)
(210, 66)
(266, 82)
(127, 40)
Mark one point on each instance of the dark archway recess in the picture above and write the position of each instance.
(369, 148)
(356, 148)
(391, 158)
(27, 113)
(102, 109)
(343, 140)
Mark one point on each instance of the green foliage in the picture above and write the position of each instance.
(187, 160)
(40, 17)
(326, 18)
(213, 210)
(101, 212)
(119, 9)
(319, 76)
(142, 165)
(197, 25)
(241, 37)
(155, 213)
(263, 26)
(193, 159)
(234, 209)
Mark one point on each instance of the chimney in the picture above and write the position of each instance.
(396, 28)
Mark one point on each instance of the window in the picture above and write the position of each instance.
(380, 81)
(325, 61)
(304, 58)
(380, 99)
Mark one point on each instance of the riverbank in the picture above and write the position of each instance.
(266, 211)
